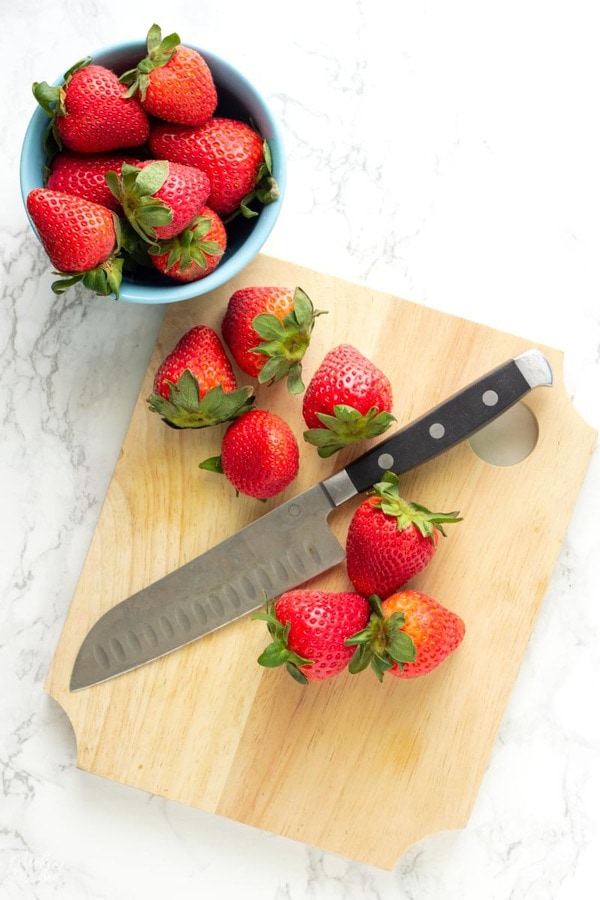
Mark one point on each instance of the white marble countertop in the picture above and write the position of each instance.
(445, 152)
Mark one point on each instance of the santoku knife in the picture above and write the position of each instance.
(290, 544)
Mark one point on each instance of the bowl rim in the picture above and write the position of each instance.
(137, 292)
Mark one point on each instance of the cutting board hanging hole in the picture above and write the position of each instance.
(509, 439)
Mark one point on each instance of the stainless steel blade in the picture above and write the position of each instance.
(282, 549)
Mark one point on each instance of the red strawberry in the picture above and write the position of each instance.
(194, 385)
(82, 174)
(259, 454)
(309, 630)
(193, 253)
(389, 540)
(348, 399)
(268, 330)
(173, 82)
(409, 634)
(81, 239)
(90, 112)
(159, 198)
(232, 154)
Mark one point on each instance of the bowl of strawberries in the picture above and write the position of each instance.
(151, 172)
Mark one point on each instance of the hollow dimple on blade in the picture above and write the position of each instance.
(277, 552)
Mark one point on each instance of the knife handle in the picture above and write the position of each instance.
(448, 424)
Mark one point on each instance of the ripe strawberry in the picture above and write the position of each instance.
(173, 82)
(309, 630)
(194, 386)
(90, 112)
(81, 239)
(259, 454)
(233, 155)
(159, 198)
(193, 253)
(82, 174)
(389, 540)
(268, 330)
(408, 635)
(350, 397)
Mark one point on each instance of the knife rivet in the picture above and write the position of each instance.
(294, 510)
(490, 398)
(385, 461)
(437, 430)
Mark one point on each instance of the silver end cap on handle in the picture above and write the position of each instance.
(535, 368)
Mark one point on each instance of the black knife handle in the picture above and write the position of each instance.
(452, 421)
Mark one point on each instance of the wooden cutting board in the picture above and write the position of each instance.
(328, 763)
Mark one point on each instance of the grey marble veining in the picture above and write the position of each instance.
(446, 153)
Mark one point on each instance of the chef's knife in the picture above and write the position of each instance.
(290, 544)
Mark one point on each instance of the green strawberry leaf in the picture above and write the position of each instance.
(160, 50)
(134, 188)
(278, 653)
(186, 409)
(269, 327)
(212, 464)
(382, 644)
(265, 190)
(346, 426)
(387, 495)
(188, 246)
(147, 181)
(103, 280)
(285, 341)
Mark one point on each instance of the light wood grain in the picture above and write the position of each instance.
(352, 766)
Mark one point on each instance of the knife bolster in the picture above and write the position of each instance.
(339, 487)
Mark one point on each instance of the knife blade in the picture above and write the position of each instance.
(291, 543)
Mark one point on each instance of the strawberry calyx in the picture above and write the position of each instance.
(387, 498)
(134, 188)
(278, 653)
(188, 246)
(51, 98)
(347, 426)
(265, 189)
(103, 280)
(160, 52)
(382, 643)
(185, 408)
(285, 342)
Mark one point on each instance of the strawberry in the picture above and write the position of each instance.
(350, 397)
(90, 112)
(193, 253)
(409, 634)
(259, 454)
(159, 198)
(389, 540)
(195, 386)
(81, 239)
(309, 630)
(82, 174)
(173, 82)
(231, 153)
(268, 330)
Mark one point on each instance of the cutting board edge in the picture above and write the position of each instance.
(55, 680)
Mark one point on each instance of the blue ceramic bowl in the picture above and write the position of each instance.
(238, 99)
